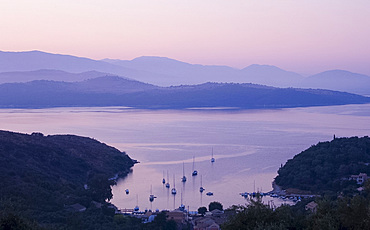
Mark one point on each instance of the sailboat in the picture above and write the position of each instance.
(183, 179)
(137, 203)
(151, 196)
(212, 159)
(201, 189)
(173, 190)
(163, 180)
(182, 206)
(195, 172)
(167, 184)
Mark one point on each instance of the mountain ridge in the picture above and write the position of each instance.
(163, 71)
(116, 91)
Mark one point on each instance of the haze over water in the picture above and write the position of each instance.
(249, 146)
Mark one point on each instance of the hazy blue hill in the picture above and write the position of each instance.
(340, 80)
(162, 71)
(243, 96)
(186, 73)
(41, 176)
(47, 74)
(111, 84)
(181, 72)
(271, 75)
(36, 60)
(116, 91)
(100, 91)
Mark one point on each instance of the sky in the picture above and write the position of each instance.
(305, 36)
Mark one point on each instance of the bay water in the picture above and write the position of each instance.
(249, 146)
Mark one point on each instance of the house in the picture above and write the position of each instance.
(176, 215)
(217, 213)
(360, 178)
(205, 223)
(312, 206)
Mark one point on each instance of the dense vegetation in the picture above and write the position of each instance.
(42, 176)
(332, 213)
(326, 167)
(322, 169)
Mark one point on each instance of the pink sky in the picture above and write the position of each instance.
(306, 36)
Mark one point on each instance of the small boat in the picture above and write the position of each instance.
(212, 159)
(163, 180)
(195, 172)
(151, 196)
(183, 179)
(209, 193)
(182, 206)
(137, 203)
(244, 194)
(201, 189)
(167, 184)
(173, 190)
(127, 191)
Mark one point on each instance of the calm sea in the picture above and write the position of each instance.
(248, 146)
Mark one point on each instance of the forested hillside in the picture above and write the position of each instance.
(327, 166)
(42, 178)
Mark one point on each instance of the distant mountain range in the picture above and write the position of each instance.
(116, 91)
(340, 80)
(161, 71)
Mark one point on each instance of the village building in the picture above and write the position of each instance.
(360, 178)
(176, 215)
(205, 223)
(312, 206)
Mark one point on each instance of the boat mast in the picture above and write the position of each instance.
(183, 179)
(212, 159)
(195, 172)
(201, 189)
(168, 179)
(173, 191)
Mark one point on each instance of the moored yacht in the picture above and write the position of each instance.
(183, 179)
(195, 172)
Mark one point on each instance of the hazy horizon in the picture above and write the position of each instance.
(306, 37)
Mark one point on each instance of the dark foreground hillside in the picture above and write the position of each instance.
(45, 179)
(328, 166)
(323, 169)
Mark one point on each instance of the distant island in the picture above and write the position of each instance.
(117, 91)
(332, 167)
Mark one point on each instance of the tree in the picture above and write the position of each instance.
(202, 210)
(215, 205)
(100, 187)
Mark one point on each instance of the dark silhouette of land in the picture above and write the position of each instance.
(116, 91)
